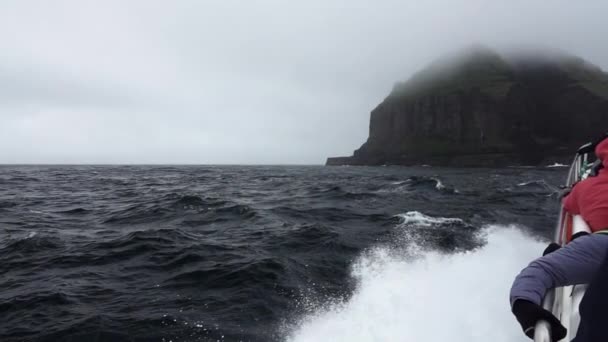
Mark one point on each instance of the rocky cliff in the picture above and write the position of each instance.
(480, 109)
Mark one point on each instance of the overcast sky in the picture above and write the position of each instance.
(252, 82)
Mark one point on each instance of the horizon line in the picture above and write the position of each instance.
(155, 164)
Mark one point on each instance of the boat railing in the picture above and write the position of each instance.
(564, 302)
(542, 330)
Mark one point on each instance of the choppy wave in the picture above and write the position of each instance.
(416, 183)
(7, 204)
(204, 209)
(33, 242)
(541, 183)
(207, 253)
(75, 211)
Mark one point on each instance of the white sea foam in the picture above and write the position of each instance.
(436, 297)
(540, 182)
(37, 212)
(405, 185)
(557, 165)
(420, 219)
(439, 185)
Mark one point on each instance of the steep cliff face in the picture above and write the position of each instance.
(480, 110)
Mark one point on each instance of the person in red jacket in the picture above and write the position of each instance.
(584, 261)
(589, 198)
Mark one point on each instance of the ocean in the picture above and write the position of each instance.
(267, 253)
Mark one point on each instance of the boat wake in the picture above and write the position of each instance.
(431, 297)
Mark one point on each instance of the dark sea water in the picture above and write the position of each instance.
(228, 253)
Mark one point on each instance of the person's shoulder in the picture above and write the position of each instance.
(594, 239)
(589, 182)
(601, 177)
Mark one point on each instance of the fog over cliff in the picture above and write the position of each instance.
(239, 82)
(478, 108)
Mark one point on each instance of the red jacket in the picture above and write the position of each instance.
(589, 198)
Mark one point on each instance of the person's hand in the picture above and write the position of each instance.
(552, 247)
(528, 314)
(565, 191)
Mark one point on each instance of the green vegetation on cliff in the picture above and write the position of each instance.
(477, 68)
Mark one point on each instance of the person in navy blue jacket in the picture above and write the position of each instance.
(582, 261)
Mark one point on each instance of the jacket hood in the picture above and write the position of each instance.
(601, 152)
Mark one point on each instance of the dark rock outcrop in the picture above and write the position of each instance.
(480, 109)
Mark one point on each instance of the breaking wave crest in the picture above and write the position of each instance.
(419, 183)
(420, 219)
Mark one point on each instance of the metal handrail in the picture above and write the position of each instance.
(542, 330)
(563, 302)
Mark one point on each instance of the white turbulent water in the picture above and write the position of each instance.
(434, 297)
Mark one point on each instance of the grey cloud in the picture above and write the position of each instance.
(238, 81)
(40, 89)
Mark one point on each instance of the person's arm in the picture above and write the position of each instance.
(570, 202)
(575, 263)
